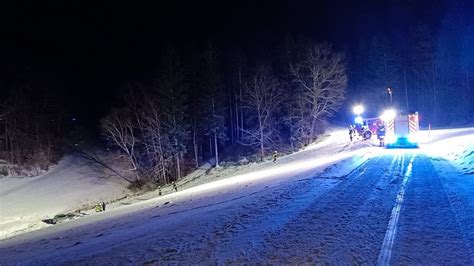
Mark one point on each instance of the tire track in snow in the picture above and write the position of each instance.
(249, 225)
(428, 230)
(386, 249)
(345, 226)
(332, 227)
(248, 230)
(458, 192)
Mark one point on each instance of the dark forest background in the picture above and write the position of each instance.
(69, 71)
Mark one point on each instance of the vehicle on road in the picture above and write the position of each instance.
(401, 130)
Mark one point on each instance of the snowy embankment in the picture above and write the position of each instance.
(78, 184)
(453, 145)
(71, 185)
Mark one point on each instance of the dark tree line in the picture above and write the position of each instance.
(429, 69)
(32, 129)
(196, 107)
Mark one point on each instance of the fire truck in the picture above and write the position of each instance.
(401, 130)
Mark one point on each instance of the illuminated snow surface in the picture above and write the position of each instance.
(334, 202)
(72, 184)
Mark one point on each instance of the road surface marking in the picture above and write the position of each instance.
(386, 250)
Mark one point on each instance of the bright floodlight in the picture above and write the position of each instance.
(388, 115)
(358, 109)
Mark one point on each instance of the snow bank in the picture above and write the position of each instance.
(71, 185)
(455, 145)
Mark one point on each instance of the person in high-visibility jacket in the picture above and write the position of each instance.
(98, 207)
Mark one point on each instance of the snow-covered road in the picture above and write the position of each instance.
(432, 229)
(382, 206)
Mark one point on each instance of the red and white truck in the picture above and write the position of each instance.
(401, 130)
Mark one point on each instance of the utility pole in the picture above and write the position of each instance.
(390, 94)
(406, 89)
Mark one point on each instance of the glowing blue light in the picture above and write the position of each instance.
(359, 120)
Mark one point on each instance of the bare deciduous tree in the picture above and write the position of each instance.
(160, 153)
(321, 76)
(262, 96)
(119, 127)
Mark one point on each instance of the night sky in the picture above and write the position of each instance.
(86, 50)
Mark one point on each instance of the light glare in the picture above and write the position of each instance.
(390, 139)
(282, 170)
(388, 115)
(413, 138)
(358, 109)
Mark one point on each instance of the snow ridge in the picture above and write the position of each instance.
(386, 250)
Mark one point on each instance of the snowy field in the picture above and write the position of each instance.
(71, 185)
(300, 209)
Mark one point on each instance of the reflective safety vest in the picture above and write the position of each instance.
(98, 207)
